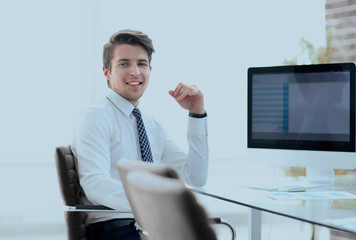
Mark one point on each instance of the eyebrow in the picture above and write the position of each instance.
(127, 60)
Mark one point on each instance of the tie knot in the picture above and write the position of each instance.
(136, 112)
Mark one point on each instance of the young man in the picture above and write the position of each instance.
(108, 132)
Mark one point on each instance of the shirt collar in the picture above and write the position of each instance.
(119, 102)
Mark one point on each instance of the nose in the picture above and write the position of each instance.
(135, 71)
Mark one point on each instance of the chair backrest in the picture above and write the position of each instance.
(71, 192)
(166, 208)
(126, 165)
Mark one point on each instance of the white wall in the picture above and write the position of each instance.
(211, 44)
(51, 62)
(50, 69)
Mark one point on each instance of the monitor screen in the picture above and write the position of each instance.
(305, 107)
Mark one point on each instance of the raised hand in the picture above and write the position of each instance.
(189, 97)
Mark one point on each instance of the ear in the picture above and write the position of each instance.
(106, 73)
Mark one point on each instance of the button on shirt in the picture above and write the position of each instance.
(107, 132)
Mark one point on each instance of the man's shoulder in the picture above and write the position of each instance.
(100, 106)
(101, 110)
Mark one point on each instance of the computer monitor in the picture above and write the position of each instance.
(303, 115)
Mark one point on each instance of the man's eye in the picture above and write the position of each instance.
(123, 64)
(143, 64)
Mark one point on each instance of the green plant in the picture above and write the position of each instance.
(312, 55)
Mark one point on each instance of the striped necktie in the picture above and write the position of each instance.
(142, 136)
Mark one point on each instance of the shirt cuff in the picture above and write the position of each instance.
(198, 125)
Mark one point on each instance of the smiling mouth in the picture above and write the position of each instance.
(134, 83)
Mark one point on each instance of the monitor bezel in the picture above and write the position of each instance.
(303, 144)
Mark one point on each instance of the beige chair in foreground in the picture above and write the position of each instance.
(124, 166)
(163, 206)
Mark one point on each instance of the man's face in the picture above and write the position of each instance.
(130, 72)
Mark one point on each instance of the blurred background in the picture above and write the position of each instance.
(51, 69)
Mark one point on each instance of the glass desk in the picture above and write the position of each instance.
(330, 213)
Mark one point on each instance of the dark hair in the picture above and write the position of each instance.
(130, 37)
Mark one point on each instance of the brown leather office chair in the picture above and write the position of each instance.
(125, 166)
(75, 213)
(71, 192)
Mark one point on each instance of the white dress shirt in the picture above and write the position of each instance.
(107, 132)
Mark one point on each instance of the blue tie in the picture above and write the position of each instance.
(142, 137)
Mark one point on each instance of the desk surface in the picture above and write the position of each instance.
(330, 213)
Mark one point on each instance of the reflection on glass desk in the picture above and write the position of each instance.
(337, 214)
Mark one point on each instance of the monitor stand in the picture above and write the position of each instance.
(320, 177)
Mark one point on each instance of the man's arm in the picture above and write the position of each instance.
(194, 165)
(92, 148)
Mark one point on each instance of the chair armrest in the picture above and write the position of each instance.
(90, 208)
(93, 207)
(226, 223)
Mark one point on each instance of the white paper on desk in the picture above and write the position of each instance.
(282, 196)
